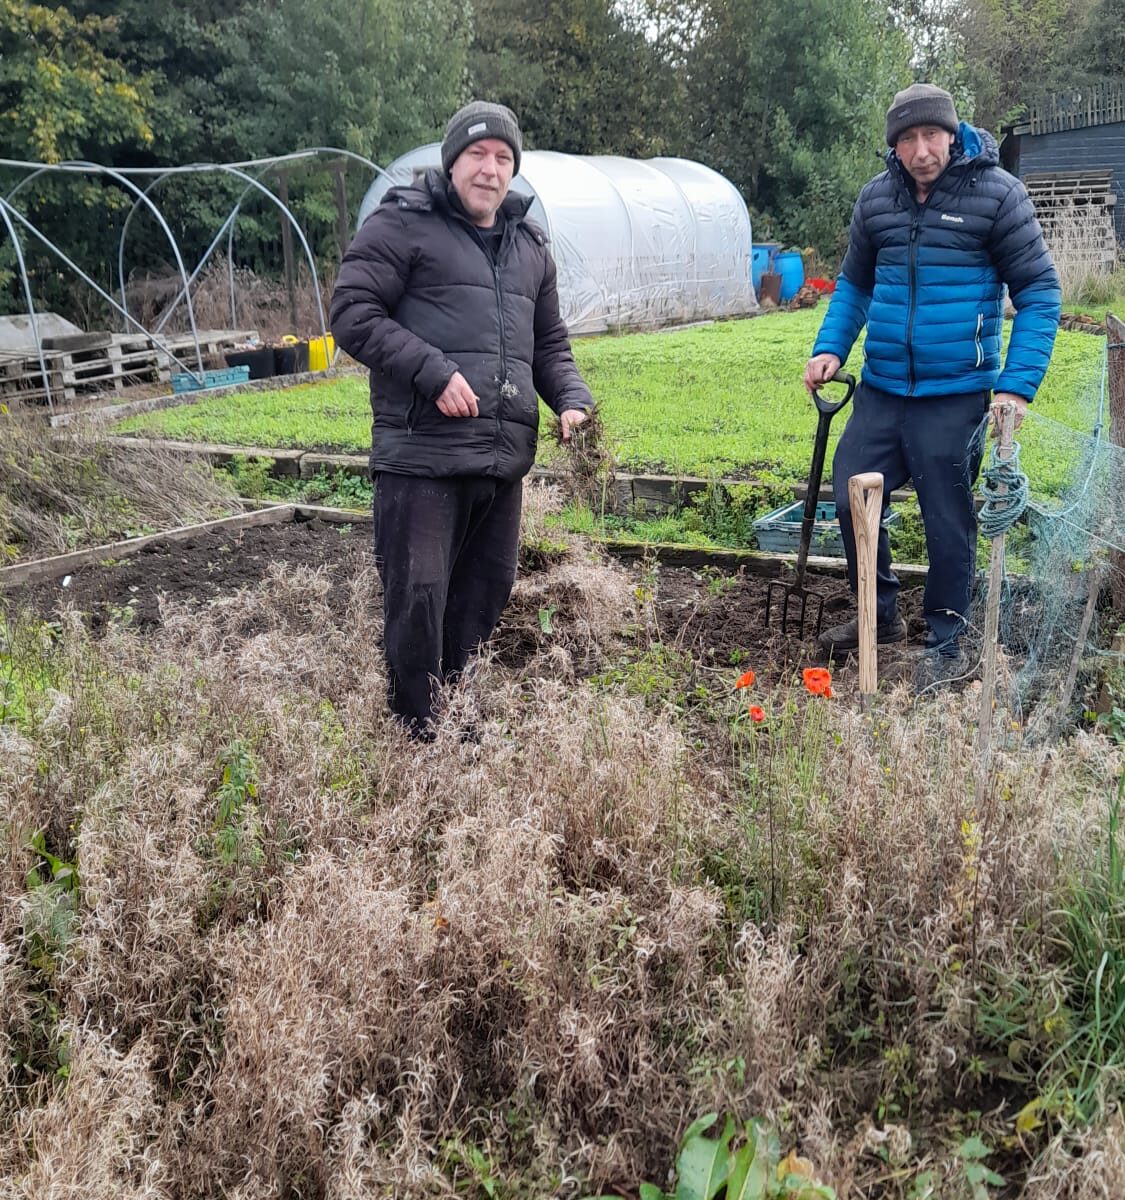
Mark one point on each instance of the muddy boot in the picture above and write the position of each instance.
(842, 638)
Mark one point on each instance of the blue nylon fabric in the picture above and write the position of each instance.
(928, 280)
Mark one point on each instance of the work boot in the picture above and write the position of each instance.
(842, 638)
(938, 669)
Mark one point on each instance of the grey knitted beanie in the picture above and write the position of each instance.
(920, 104)
(475, 122)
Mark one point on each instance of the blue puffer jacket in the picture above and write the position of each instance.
(928, 280)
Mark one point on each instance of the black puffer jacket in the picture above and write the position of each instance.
(418, 298)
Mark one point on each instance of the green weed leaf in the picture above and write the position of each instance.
(704, 1163)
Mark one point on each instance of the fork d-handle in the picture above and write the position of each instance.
(826, 410)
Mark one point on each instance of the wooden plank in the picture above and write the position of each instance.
(335, 516)
(63, 564)
(1115, 356)
(754, 562)
(1099, 103)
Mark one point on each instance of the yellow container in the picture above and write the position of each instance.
(322, 350)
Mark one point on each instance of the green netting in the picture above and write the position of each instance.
(1060, 564)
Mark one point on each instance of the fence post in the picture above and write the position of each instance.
(287, 248)
(1115, 354)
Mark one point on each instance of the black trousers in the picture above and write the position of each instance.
(938, 442)
(446, 552)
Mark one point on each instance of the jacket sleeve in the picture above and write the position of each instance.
(848, 305)
(373, 276)
(1024, 263)
(553, 367)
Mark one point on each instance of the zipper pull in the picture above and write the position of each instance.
(914, 229)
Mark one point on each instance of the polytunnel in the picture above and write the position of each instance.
(638, 242)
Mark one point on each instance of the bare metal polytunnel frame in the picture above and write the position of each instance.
(250, 173)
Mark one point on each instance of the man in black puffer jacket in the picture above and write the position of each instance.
(448, 294)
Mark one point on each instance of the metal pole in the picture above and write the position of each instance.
(30, 302)
(287, 248)
(343, 227)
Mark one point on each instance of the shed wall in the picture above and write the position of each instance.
(1098, 147)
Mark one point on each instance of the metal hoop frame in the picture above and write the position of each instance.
(250, 172)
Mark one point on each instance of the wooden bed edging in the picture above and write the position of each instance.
(61, 564)
(754, 562)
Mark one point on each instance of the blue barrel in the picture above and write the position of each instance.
(760, 255)
(791, 268)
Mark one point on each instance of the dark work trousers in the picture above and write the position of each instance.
(446, 552)
(936, 441)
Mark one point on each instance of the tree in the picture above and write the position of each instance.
(1016, 49)
(789, 102)
(1099, 51)
(61, 97)
(581, 75)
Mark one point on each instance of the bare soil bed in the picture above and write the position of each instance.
(716, 618)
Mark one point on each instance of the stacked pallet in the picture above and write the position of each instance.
(1075, 209)
(82, 366)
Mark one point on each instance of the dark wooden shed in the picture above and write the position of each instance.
(1070, 153)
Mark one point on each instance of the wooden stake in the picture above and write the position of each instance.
(866, 495)
(1005, 421)
(1115, 356)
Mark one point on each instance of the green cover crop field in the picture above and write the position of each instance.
(717, 400)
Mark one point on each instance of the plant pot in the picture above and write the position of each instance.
(260, 362)
(769, 287)
(291, 359)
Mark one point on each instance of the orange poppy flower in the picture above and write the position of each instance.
(818, 681)
(745, 680)
(757, 714)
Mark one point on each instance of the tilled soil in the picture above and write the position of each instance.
(717, 618)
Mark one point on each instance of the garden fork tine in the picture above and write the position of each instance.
(804, 602)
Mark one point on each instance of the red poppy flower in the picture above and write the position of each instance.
(745, 680)
(818, 681)
(757, 715)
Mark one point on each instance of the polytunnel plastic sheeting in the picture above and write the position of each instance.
(638, 243)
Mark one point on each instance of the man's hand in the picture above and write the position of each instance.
(571, 419)
(458, 399)
(819, 370)
(1017, 402)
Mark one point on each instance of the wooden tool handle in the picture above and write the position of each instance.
(866, 495)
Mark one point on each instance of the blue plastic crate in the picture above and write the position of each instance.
(211, 379)
(779, 532)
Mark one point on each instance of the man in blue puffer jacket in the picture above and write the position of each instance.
(934, 240)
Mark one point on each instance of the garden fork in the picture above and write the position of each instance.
(795, 602)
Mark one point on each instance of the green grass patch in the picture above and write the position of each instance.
(719, 400)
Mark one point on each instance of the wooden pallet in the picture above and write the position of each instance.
(77, 373)
(128, 359)
(1075, 185)
(1075, 209)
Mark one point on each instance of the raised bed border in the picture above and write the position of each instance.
(652, 493)
(753, 561)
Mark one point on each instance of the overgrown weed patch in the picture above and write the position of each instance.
(305, 953)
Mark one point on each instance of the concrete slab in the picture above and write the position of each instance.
(17, 336)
